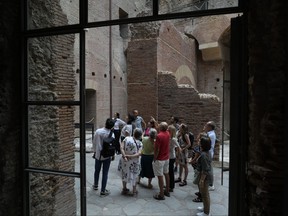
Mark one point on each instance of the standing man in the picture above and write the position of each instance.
(100, 134)
(161, 160)
(119, 124)
(139, 121)
(209, 129)
(175, 122)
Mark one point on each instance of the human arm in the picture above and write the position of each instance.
(137, 154)
(156, 149)
(143, 123)
(195, 158)
(155, 123)
(138, 146)
(122, 150)
(187, 140)
(122, 123)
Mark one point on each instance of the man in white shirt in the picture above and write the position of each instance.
(139, 121)
(100, 134)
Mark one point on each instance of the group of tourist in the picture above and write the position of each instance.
(153, 149)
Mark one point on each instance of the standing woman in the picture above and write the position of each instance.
(129, 165)
(172, 155)
(148, 156)
(205, 171)
(127, 130)
(184, 142)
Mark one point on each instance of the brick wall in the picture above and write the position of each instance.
(210, 77)
(176, 50)
(191, 107)
(142, 77)
(51, 128)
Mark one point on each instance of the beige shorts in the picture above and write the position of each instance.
(160, 167)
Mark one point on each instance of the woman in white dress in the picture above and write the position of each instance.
(129, 165)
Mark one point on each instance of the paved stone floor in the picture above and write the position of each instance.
(180, 202)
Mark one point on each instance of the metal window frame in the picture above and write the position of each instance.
(81, 29)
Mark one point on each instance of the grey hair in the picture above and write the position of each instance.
(137, 133)
(152, 133)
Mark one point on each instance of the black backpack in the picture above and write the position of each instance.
(109, 146)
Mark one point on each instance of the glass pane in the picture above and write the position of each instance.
(99, 10)
(52, 137)
(53, 195)
(194, 5)
(45, 14)
(97, 74)
(53, 68)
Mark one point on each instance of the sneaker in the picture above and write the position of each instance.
(200, 208)
(95, 187)
(202, 214)
(211, 188)
(104, 193)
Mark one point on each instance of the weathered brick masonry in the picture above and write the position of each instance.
(51, 128)
(158, 94)
(193, 108)
(265, 189)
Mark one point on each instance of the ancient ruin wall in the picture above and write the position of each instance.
(142, 77)
(51, 128)
(210, 77)
(177, 53)
(192, 108)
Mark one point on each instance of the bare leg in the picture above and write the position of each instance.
(180, 171)
(167, 181)
(186, 172)
(149, 183)
(161, 185)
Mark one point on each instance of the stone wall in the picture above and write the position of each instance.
(98, 64)
(156, 47)
(51, 128)
(177, 53)
(142, 78)
(210, 77)
(192, 108)
(267, 150)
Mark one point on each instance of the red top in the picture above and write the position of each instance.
(162, 143)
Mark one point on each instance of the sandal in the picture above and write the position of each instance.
(167, 193)
(124, 191)
(132, 193)
(177, 180)
(198, 199)
(159, 197)
(183, 183)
